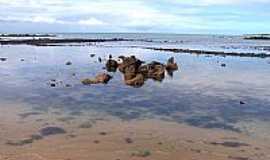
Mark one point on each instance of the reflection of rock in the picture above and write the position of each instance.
(137, 81)
(111, 65)
(100, 78)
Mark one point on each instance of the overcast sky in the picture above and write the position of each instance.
(166, 16)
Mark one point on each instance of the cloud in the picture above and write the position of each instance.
(137, 15)
(91, 22)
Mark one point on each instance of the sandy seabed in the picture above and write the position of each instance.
(110, 138)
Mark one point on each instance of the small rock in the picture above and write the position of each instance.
(241, 102)
(3, 59)
(129, 140)
(223, 65)
(53, 85)
(68, 63)
(100, 78)
(99, 59)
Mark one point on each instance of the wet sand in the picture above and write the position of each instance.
(111, 138)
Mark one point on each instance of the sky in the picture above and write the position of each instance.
(144, 16)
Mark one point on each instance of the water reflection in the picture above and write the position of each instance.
(201, 94)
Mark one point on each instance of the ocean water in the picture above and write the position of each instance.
(224, 43)
(201, 94)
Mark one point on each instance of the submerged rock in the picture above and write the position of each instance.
(48, 131)
(100, 78)
(230, 144)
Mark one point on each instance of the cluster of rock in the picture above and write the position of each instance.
(135, 71)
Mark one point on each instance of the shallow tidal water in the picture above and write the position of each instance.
(205, 110)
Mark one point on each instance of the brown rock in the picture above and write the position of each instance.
(111, 65)
(138, 81)
(100, 78)
(171, 65)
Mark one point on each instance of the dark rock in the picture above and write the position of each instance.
(111, 65)
(68, 63)
(223, 65)
(3, 59)
(99, 59)
(53, 85)
(241, 102)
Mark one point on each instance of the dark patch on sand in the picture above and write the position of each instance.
(26, 115)
(230, 144)
(49, 131)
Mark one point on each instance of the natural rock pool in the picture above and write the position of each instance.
(204, 109)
